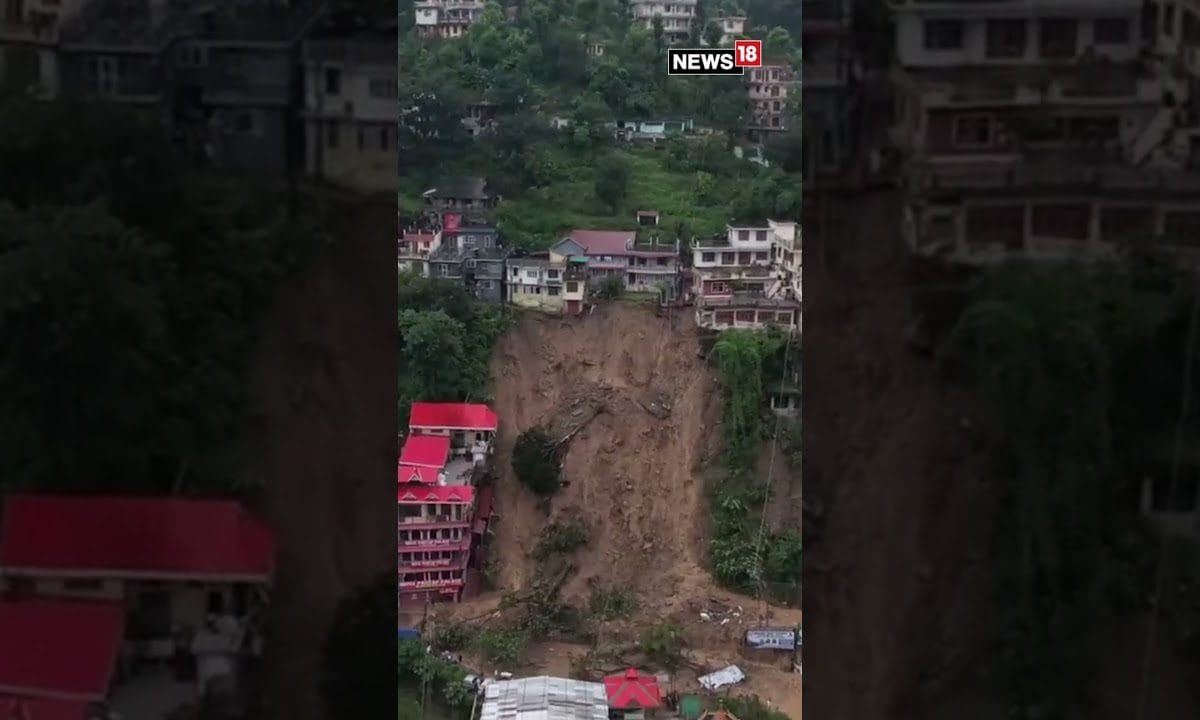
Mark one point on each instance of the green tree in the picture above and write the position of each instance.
(778, 45)
(612, 181)
(713, 34)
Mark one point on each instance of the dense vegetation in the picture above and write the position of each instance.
(744, 556)
(536, 69)
(1076, 367)
(445, 340)
(131, 292)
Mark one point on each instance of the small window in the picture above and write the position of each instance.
(333, 81)
(572, 287)
(1059, 37)
(362, 138)
(708, 257)
(332, 130)
(552, 291)
(944, 34)
(385, 137)
(1006, 38)
(973, 131)
(1111, 31)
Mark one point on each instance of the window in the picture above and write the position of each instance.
(708, 257)
(333, 81)
(1111, 31)
(972, 131)
(552, 274)
(332, 130)
(382, 88)
(192, 56)
(1006, 38)
(106, 73)
(1059, 37)
(728, 258)
(943, 34)
(572, 286)
(1062, 221)
(243, 123)
(553, 291)
(776, 122)
(531, 274)
(661, 262)
(761, 256)
(743, 235)
(385, 137)
(83, 584)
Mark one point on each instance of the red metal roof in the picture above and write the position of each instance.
(428, 451)
(59, 649)
(166, 538)
(17, 708)
(449, 494)
(413, 474)
(632, 689)
(453, 416)
(604, 242)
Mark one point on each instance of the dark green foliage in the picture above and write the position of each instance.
(423, 675)
(612, 181)
(612, 603)
(1060, 356)
(663, 645)
(130, 295)
(536, 461)
(446, 342)
(357, 678)
(562, 537)
(750, 707)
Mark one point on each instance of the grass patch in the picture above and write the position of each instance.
(562, 537)
(612, 603)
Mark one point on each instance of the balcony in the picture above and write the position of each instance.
(432, 522)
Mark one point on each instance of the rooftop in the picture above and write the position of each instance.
(633, 689)
(452, 416)
(62, 649)
(428, 451)
(544, 698)
(161, 538)
(449, 494)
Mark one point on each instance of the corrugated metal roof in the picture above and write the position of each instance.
(544, 698)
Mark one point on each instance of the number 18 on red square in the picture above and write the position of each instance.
(747, 53)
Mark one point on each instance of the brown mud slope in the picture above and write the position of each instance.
(635, 474)
(898, 511)
(325, 427)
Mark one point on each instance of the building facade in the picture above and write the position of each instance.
(29, 38)
(1059, 130)
(677, 16)
(748, 277)
(641, 264)
(443, 500)
(350, 94)
(446, 18)
(771, 88)
(830, 96)
(536, 282)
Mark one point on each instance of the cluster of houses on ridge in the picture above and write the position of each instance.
(747, 277)
(123, 607)
(443, 502)
(272, 88)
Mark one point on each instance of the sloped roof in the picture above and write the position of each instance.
(632, 689)
(544, 698)
(453, 416)
(449, 494)
(163, 538)
(428, 451)
(414, 474)
(603, 242)
(59, 649)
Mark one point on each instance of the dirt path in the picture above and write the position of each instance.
(326, 426)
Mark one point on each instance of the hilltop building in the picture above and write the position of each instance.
(444, 500)
(770, 89)
(677, 16)
(446, 18)
(748, 277)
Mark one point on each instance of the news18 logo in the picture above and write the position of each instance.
(715, 61)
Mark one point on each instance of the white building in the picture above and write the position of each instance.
(350, 89)
(740, 279)
(677, 16)
(446, 18)
(535, 282)
(1045, 130)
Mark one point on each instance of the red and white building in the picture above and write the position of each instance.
(414, 248)
(642, 264)
(59, 658)
(444, 500)
(1051, 130)
(747, 278)
(163, 576)
(632, 695)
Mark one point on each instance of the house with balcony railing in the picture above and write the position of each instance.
(446, 18)
(443, 500)
(645, 262)
(747, 277)
(1050, 130)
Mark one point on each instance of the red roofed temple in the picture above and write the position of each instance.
(632, 693)
(443, 500)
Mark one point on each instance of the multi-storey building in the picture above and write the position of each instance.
(443, 499)
(770, 88)
(739, 279)
(1047, 131)
(575, 286)
(732, 28)
(454, 199)
(830, 100)
(446, 18)
(471, 254)
(536, 282)
(677, 16)
(350, 88)
(29, 35)
(643, 264)
(415, 246)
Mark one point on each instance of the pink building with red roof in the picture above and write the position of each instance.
(167, 563)
(642, 264)
(443, 499)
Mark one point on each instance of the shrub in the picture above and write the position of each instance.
(536, 462)
(562, 537)
(663, 645)
(613, 603)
